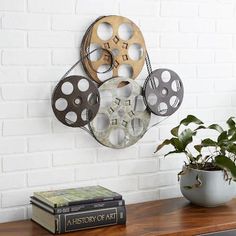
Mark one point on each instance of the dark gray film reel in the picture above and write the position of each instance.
(163, 92)
(75, 101)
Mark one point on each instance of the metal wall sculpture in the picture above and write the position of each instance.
(120, 121)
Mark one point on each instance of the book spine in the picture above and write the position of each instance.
(90, 219)
(89, 206)
(113, 198)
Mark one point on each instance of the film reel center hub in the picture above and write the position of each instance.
(108, 103)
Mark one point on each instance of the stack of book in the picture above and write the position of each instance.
(67, 210)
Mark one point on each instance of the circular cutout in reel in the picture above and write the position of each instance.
(122, 118)
(125, 42)
(75, 101)
(163, 92)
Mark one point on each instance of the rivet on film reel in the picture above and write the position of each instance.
(75, 101)
(123, 39)
(122, 118)
(163, 92)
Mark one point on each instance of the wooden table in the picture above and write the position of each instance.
(165, 217)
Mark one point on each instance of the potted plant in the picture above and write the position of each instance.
(206, 177)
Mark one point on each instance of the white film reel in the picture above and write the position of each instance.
(122, 118)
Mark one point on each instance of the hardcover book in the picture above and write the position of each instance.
(62, 223)
(75, 208)
(75, 196)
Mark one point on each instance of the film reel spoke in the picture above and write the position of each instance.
(163, 92)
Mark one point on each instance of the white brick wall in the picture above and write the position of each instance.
(24, 21)
(52, 6)
(197, 26)
(8, 76)
(50, 142)
(55, 176)
(51, 40)
(14, 5)
(178, 40)
(178, 9)
(74, 157)
(21, 57)
(215, 41)
(8, 39)
(39, 41)
(12, 145)
(26, 127)
(94, 171)
(26, 162)
(12, 181)
(12, 110)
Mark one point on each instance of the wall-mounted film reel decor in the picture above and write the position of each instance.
(109, 104)
(126, 123)
(122, 38)
(163, 92)
(75, 101)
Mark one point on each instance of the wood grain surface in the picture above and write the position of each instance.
(166, 217)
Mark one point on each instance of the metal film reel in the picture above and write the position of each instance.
(122, 118)
(75, 101)
(163, 92)
(125, 42)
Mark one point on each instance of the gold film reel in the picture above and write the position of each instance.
(122, 38)
(122, 118)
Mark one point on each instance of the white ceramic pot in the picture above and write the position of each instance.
(213, 191)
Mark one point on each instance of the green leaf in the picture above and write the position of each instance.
(191, 119)
(233, 137)
(231, 123)
(231, 148)
(208, 143)
(216, 127)
(205, 143)
(188, 120)
(186, 137)
(198, 157)
(232, 129)
(226, 164)
(172, 152)
(200, 127)
(222, 137)
(164, 143)
(175, 131)
(198, 147)
(231, 132)
(177, 144)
